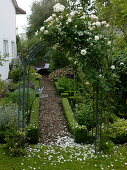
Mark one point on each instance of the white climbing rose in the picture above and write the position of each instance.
(97, 37)
(113, 67)
(83, 52)
(58, 8)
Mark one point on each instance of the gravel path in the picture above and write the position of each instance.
(52, 121)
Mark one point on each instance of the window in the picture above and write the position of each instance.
(13, 49)
(5, 47)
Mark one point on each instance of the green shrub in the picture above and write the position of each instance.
(66, 83)
(14, 97)
(79, 132)
(8, 116)
(15, 74)
(33, 128)
(15, 141)
(118, 131)
(32, 135)
(84, 115)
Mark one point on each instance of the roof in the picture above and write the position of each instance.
(17, 8)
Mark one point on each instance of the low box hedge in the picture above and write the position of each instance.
(79, 132)
(33, 127)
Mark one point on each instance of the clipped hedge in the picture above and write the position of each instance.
(33, 127)
(79, 132)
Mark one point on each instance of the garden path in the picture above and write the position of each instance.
(52, 121)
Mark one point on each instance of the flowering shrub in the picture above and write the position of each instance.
(80, 34)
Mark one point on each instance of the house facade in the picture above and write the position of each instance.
(8, 11)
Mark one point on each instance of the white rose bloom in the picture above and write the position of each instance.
(46, 32)
(83, 52)
(48, 19)
(76, 26)
(83, 17)
(98, 24)
(69, 20)
(53, 15)
(36, 33)
(80, 33)
(104, 22)
(42, 29)
(107, 25)
(121, 63)
(109, 43)
(73, 13)
(113, 67)
(97, 37)
(93, 16)
(87, 83)
(80, 8)
(58, 8)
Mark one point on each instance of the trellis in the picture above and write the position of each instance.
(26, 62)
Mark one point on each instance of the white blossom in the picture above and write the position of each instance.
(98, 24)
(80, 33)
(73, 13)
(69, 20)
(36, 33)
(113, 67)
(46, 32)
(42, 29)
(93, 16)
(83, 17)
(107, 25)
(104, 22)
(121, 63)
(109, 43)
(48, 19)
(58, 8)
(83, 52)
(97, 37)
(80, 8)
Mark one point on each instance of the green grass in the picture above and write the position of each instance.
(58, 158)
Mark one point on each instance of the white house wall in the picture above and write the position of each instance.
(7, 32)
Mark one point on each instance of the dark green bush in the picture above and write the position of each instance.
(15, 141)
(15, 74)
(32, 135)
(118, 131)
(66, 83)
(84, 115)
(79, 132)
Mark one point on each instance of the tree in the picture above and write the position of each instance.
(115, 12)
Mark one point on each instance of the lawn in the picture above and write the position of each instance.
(65, 158)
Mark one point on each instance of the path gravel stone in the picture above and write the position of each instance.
(52, 120)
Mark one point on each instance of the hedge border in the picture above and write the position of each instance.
(79, 132)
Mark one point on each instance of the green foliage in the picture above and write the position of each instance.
(14, 97)
(15, 74)
(118, 131)
(79, 132)
(84, 115)
(66, 83)
(15, 141)
(32, 134)
(64, 95)
(8, 115)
